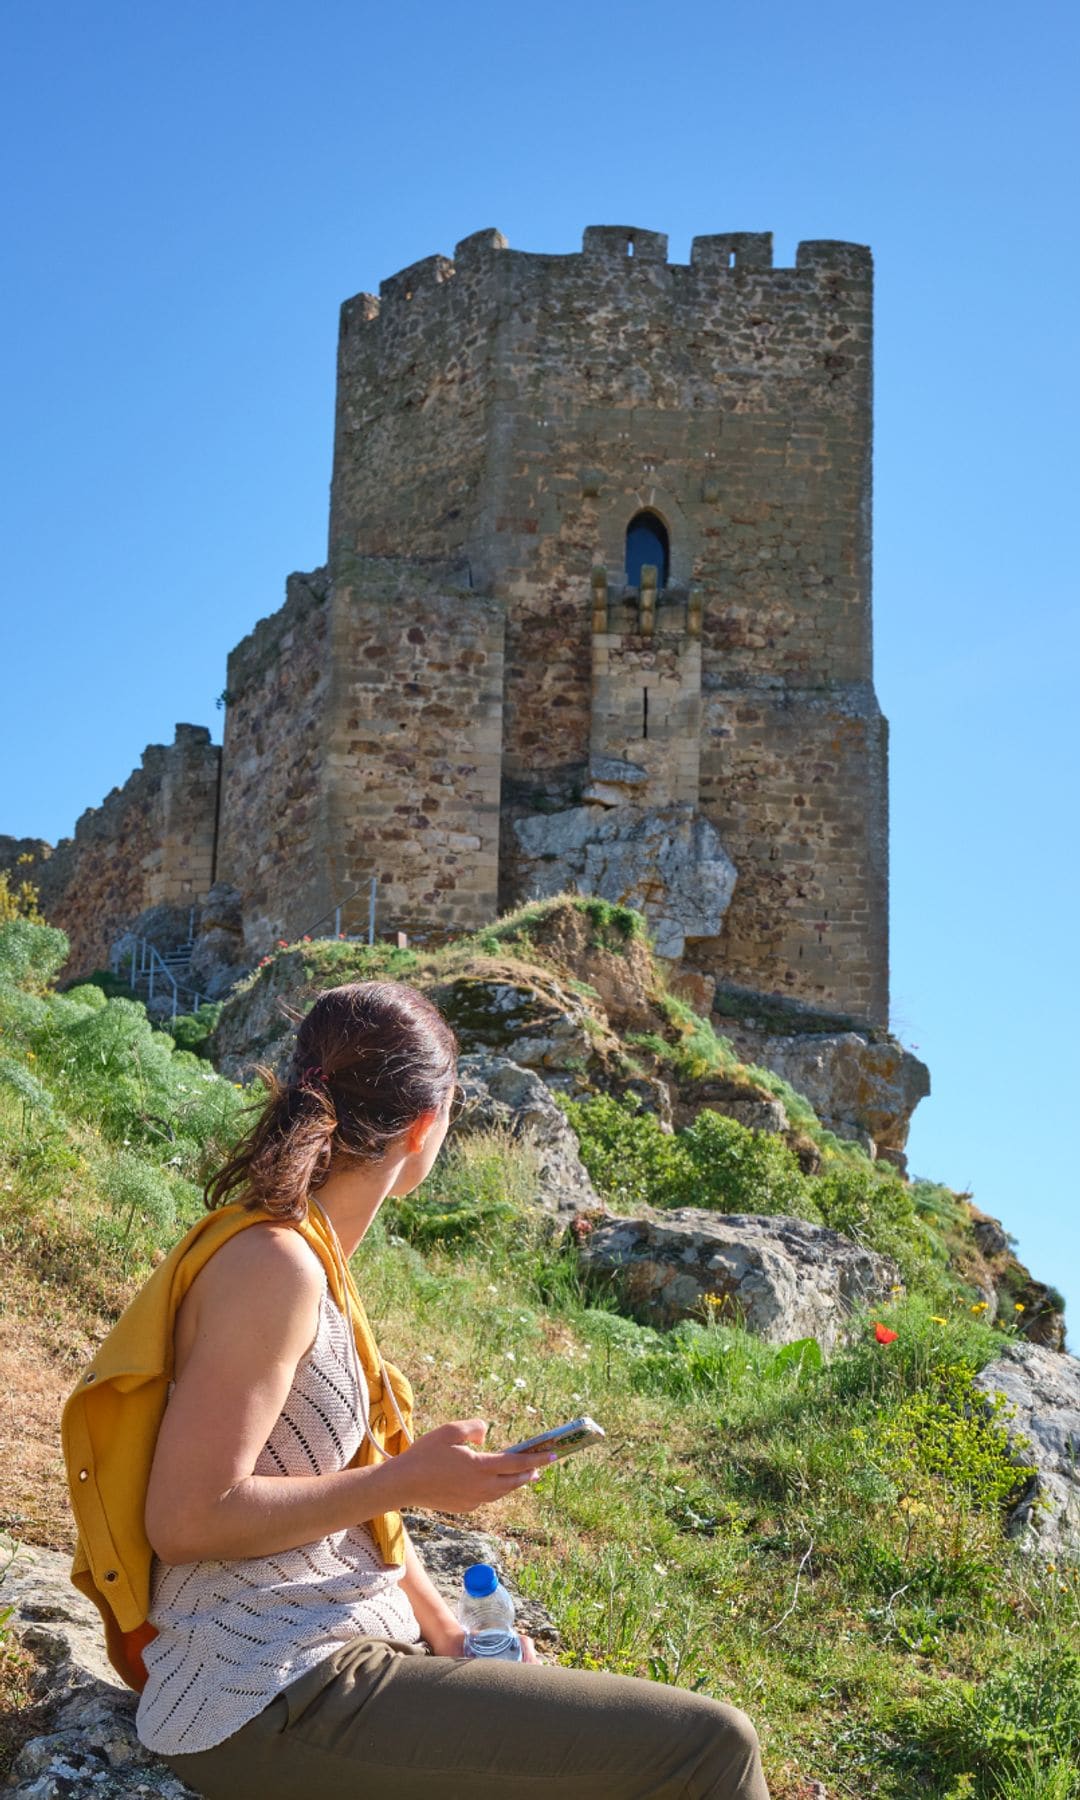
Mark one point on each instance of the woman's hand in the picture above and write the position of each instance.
(451, 1642)
(445, 1470)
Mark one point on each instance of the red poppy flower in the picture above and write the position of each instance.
(884, 1335)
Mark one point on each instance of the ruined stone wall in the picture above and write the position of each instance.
(795, 783)
(274, 765)
(414, 748)
(151, 841)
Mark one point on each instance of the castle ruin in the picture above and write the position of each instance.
(596, 613)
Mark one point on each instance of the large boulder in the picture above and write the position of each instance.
(782, 1278)
(862, 1087)
(669, 864)
(87, 1748)
(499, 1092)
(1043, 1388)
(218, 959)
(87, 1745)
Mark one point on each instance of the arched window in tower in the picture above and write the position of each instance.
(647, 541)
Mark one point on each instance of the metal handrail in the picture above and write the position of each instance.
(336, 911)
(147, 963)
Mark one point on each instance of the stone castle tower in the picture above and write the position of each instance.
(596, 613)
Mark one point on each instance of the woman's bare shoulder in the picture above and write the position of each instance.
(266, 1272)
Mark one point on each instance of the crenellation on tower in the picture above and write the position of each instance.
(736, 250)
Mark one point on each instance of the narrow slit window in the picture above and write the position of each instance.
(644, 712)
(647, 542)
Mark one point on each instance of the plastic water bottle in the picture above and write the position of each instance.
(487, 1613)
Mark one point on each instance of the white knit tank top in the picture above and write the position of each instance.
(231, 1635)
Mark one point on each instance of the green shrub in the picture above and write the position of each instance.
(630, 1160)
(477, 1187)
(950, 1437)
(715, 1162)
(193, 1031)
(109, 1067)
(741, 1171)
(136, 1189)
(30, 955)
(870, 1204)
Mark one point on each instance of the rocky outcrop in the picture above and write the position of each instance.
(218, 960)
(669, 864)
(542, 1021)
(87, 1744)
(735, 1098)
(499, 1092)
(87, 1748)
(862, 1087)
(1043, 1388)
(1036, 1309)
(782, 1278)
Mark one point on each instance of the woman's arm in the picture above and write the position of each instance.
(438, 1626)
(250, 1316)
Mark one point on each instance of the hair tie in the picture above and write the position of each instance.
(313, 1076)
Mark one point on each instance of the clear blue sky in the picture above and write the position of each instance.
(192, 190)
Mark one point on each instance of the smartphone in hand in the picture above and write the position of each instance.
(563, 1439)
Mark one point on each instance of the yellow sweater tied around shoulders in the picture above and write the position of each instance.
(111, 1420)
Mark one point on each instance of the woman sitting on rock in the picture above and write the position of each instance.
(294, 1645)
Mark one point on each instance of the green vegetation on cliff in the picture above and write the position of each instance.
(820, 1541)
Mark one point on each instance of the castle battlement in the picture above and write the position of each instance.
(625, 248)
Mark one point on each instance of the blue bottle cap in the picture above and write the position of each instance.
(480, 1580)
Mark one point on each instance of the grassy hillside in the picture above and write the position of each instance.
(819, 1542)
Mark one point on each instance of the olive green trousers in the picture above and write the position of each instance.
(385, 1721)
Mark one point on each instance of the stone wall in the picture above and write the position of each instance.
(795, 783)
(274, 768)
(647, 710)
(415, 382)
(150, 842)
(414, 745)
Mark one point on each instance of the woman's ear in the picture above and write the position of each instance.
(416, 1134)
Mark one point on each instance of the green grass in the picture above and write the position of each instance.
(819, 1542)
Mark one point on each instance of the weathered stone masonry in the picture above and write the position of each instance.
(150, 843)
(474, 690)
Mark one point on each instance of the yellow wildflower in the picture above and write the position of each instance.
(936, 1319)
(980, 1306)
(1019, 1307)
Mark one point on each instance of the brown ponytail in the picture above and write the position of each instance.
(370, 1058)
